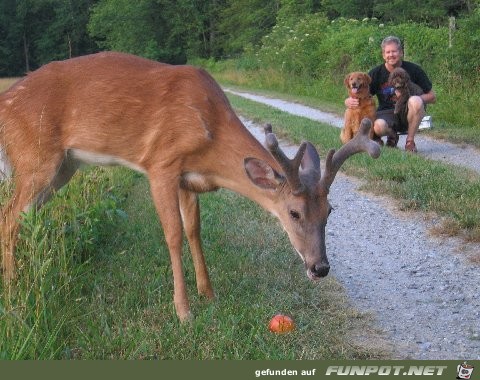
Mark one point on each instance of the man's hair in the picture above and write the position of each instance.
(391, 40)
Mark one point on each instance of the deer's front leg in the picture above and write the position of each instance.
(191, 222)
(165, 197)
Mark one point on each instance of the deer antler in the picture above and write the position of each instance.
(289, 166)
(360, 143)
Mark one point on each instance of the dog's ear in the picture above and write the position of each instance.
(345, 81)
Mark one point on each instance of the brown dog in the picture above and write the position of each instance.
(357, 84)
(404, 88)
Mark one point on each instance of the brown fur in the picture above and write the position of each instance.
(404, 88)
(357, 84)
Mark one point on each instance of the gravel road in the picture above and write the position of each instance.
(421, 290)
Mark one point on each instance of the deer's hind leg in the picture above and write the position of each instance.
(33, 187)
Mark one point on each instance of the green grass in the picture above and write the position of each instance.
(95, 283)
(418, 183)
(53, 257)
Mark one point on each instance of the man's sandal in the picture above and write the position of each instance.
(410, 146)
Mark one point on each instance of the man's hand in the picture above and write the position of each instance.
(351, 102)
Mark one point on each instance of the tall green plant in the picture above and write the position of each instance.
(39, 311)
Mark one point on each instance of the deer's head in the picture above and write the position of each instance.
(301, 192)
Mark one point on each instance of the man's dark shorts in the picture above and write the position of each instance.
(393, 121)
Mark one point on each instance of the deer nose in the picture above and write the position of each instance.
(319, 270)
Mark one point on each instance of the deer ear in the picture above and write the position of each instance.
(311, 159)
(262, 175)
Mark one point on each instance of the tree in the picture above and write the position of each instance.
(64, 35)
(202, 27)
(244, 23)
(426, 11)
(433, 12)
(155, 29)
(34, 32)
(11, 53)
(349, 9)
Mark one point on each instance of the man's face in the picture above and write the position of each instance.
(392, 55)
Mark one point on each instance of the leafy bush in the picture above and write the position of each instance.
(466, 45)
(293, 48)
(316, 47)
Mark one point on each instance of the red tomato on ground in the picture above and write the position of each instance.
(281, 324)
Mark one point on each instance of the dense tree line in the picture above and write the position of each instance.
(34, 32)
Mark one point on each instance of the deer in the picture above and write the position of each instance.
(174, 124)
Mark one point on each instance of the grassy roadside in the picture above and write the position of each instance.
(95, 283)
(54, 256)
(420, 184)
(328, 94)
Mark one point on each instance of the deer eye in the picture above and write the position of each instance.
(295, 215)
